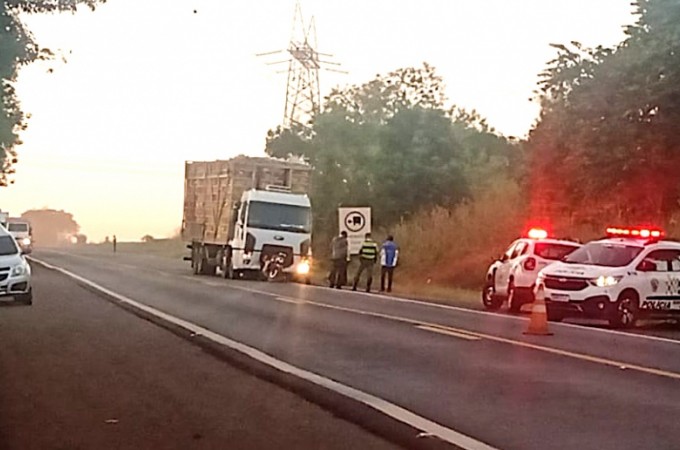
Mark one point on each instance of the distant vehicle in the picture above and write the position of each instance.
(241, 213)
(15, 272)
(512, 277)
(632, 274)
(4, 217)
(22, 232)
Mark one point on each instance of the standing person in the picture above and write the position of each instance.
(368, 255)
(389, 254)
(339, 258)
(115, 242)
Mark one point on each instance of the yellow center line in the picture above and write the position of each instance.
(524, 344)
(442, 330)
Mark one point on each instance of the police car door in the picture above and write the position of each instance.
(502, 277)
(660, 289)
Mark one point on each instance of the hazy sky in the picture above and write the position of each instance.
(149, 84)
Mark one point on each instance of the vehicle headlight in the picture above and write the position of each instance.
(303, 267)
(18, 270)
(605, 281)
(26, 241)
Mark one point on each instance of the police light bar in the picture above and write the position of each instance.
(537, 233)
(636, 232)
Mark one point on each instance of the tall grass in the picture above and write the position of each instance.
(455, 246)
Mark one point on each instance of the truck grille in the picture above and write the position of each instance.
(566, 283)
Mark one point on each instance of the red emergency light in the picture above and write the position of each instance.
(636, 232)
(537, 233)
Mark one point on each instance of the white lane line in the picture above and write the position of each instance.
(376, 297)
(290, 300)
(403, 415)
(444, 331)
(524, 344)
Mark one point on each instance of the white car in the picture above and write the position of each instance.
(15, 272)
(633, 273)
(512, 277)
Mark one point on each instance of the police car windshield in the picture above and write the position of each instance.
(604, 254)
(553, 251)
(7, 246)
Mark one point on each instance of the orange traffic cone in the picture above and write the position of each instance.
(538, 322)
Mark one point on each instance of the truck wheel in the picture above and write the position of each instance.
(197, 265)
(489, 298)
(228, 269)
(624, 313)
(25, 299)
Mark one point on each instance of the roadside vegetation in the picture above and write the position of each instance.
(454, 192)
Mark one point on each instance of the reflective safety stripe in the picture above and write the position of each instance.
(369, 250)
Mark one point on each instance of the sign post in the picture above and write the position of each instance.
(356, 222)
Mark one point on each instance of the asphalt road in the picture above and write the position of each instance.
(474, 373)
(78, 372)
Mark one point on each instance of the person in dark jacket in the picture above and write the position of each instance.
(389, 254)
(339, 259)
(368, 255)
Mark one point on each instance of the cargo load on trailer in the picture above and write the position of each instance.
(243, 212)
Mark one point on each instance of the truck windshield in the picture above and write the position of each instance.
(604, 254)
(275, 216)
(7, 246)
(19, 227)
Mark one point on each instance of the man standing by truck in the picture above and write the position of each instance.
(339, 258)
(368, 255)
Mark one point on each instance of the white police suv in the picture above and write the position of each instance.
(633, 273)
(512, 277)
(15, 273)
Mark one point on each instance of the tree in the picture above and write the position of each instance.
(18, 48)
(391, 144)
(606, 146)
(51, 227)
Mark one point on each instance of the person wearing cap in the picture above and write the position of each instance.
(389, 254)
(339, 259)
(368, 256)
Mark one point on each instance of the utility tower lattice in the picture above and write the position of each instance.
(303, 94)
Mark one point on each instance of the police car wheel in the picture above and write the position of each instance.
(514, 302)
(625, 311)
(489, 299)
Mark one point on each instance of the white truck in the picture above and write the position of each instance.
(22, 232)
(240, 213)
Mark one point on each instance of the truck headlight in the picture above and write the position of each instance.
(303, 267)
(18, 270)
(605, 281)
(26, 242)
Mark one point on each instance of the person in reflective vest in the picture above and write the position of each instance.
(368, 256)
(389, 254)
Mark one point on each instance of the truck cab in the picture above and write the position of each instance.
(270, 222)
(22, 232)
